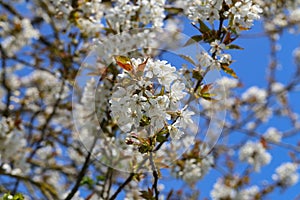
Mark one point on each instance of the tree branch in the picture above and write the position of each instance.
(81, 174)
(114, 196)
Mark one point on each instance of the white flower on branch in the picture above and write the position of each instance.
(150, 99)
(226, 189)
(222, 190)
(286, 174)
(18, 36)
(273, 135)
(254, 154)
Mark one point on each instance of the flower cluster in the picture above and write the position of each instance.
(273, 135)
(19, 35)
(45, 85)
(150, 98)
(193, 166)
(86, 15)
(220, 58)
(124, 42)
(254, 154)
(254, 95)
(150, 39)
(226, 100)
(240, 14)
(225, 189)
(286, 174)
(204, 10)
(280, 15)
(12, 143)
(222, 190)
(256, 98)
(145, 12)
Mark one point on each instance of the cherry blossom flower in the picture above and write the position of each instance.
(286, 174)
(254, 154)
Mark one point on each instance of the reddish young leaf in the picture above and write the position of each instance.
(124, 62)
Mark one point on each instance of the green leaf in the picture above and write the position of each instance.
(197, 75)
(8, 196)
(87, 181)
(146, 144)
(209, 99)
(161, 138)
(203, 27)
(145, 121)
(207, 95)
(188, 58)
(19, 196)
(144, 148)
(193, 39)
(228, 70)
(101, 178)
(234, 46)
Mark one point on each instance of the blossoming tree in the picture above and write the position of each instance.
(114, 100)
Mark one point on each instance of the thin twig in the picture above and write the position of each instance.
(114, 196)
(82, 173)
(4, 83)
(155, 176)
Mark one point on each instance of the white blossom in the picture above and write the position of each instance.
(222, 191)
(49, 86)
(217, 47)
(193, 169)
(273, 135)
(277, 87)
(12, 144)
(205, 60)
(184, 119)
(243, 13)
(256, 99)
(175, 132)
(16, 41)
(227, 83)
(295, 15)
(254, 94)
(225, 58)
(248, 193)
(240, 14)
(138, 102)
(120, 16)
(226, 189)
(286, 174)
(254, 154)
